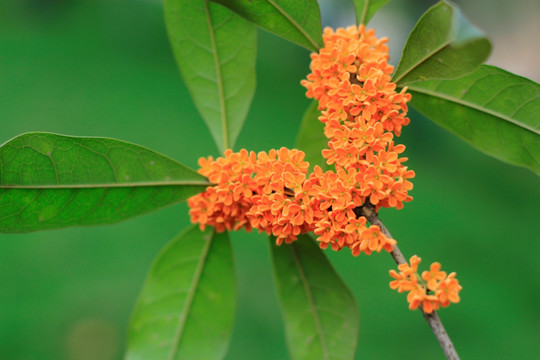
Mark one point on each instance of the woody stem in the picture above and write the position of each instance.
(433, 320)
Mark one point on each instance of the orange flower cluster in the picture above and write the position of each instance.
(432, 290)
(362, 112)
(271, 192)
(265, 191)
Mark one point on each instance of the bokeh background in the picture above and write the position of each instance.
(105, 68)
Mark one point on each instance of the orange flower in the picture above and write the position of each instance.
(376, 239)
(448, 290)
(433, 276)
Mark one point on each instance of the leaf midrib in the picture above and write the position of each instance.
(311, 302)
(477, 107)
(109, 185)
(219, 79)
(191, 296)
(364, 12)
(421, 61)
(295, 24)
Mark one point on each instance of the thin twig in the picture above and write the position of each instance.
(433, 320)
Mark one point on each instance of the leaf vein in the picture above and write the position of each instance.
(463, 102)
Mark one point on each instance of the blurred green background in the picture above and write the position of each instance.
(105, 68)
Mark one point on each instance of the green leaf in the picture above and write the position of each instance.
(311, 139)
(319, 311)
(216, 52)
(52, 181)
(186, 306)
(298, 21)
(365, 9)
(442, 45)
(492, 109)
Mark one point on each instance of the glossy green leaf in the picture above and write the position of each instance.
(311, 139)
(492, 109)
(442, 45)
(319, 311)
(186, 306)
(298, 21)
(365, 9)
(216, 52)
(52, 181)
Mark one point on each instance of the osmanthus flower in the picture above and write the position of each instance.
(433, 276)
(430, 291)
(448, 290)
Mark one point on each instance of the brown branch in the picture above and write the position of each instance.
(433, 320)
